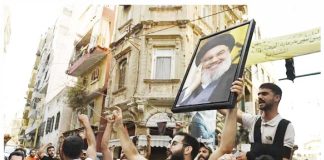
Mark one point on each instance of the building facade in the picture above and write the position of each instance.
(152, 47)
(37, 91)
(29, 98)
(90, 64)
(47, 83)
(58, 81)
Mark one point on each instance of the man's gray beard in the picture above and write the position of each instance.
(210, 76)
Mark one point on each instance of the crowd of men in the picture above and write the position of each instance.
(271, 136)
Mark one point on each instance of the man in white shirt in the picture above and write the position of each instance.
(269, 134)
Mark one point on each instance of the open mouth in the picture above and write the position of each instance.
(168, 153)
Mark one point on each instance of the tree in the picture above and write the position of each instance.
(77, 96)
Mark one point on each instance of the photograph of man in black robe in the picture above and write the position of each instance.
(215, 72)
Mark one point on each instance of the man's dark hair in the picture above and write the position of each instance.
(21, 150)
(32, 150)
(72, 146)
(49, 148)
(273, 87)
(17, 153)
(201, 144)
(190, 141)
(265, 157)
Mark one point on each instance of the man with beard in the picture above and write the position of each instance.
(183, 146)
(269, 133)
(50, 152)
(213, 79)
(204, 152)
(215, 72)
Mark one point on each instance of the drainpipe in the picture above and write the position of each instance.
(36, 134)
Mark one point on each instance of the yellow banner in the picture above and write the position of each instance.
(284, 47)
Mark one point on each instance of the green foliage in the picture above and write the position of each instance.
(77, 96)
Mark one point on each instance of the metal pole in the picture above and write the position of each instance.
(304, 75)
(36, 134)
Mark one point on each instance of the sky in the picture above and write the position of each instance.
(301, 99)
(28, 22)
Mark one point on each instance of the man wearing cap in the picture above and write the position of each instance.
(212, 83)
(214, 72)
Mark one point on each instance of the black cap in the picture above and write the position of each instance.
(223, 39)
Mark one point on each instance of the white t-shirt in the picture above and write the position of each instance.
(268, 129)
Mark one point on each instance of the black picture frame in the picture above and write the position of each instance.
(212, 95)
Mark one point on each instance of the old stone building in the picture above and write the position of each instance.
(152, 47)
(90, 64)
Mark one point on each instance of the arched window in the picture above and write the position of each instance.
(122, 73)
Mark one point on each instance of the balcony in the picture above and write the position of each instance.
(26, 113)
(43, 88)
(29, 93)
(87, 60)
(32, 114)
(90, 49)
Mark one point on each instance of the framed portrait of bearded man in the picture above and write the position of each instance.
(218, 60)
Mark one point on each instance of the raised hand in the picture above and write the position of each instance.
(110, 118)
(116, 117)
(237, 87)
(83, 119)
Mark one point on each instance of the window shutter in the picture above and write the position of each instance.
(57, 122)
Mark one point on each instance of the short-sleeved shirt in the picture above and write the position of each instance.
(268, 129)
